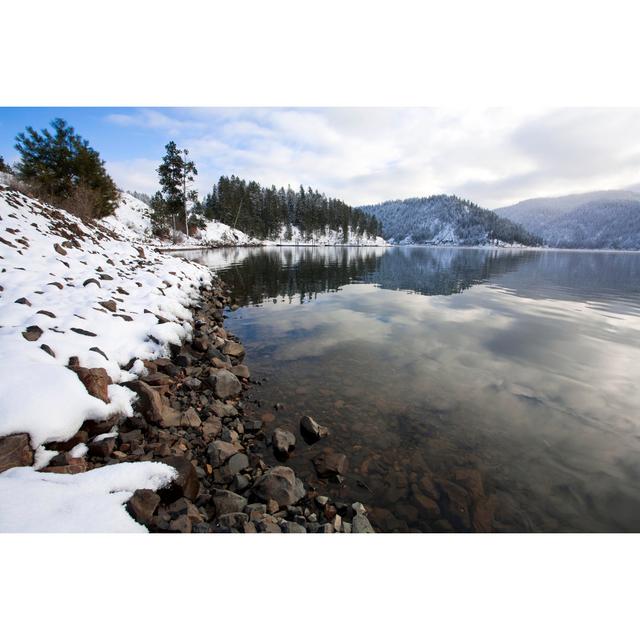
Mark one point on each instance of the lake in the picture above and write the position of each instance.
(471, 389)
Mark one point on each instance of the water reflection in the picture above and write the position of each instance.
(528, 377)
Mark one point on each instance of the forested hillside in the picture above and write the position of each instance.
(268, 212)
(598, 220)
(446, 219)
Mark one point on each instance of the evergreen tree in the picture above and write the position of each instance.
(61, 166)
(176, 174)
(4, 167)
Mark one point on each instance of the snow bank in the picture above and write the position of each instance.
(90, 502)
(69, 289)
(132, 220)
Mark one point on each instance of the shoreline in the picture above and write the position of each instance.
(189, 415)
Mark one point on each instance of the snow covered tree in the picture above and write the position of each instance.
(61, 166)
(176, 174)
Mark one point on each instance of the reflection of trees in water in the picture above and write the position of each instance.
(444, 271)
(302, 273)
(297, 273)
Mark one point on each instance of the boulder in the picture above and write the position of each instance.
(15, 451)
(233, 349)
(142, 505)
(361, 524)
(102, 448)
(149, 400)
(219, 452)
(224, 384)
(283, 441)
(228, 502)
(311, 431)
(330, 464)
(185, 484)
(281, 485)
(237, 463)
(95, 380)
(32, 333)
(241, 371)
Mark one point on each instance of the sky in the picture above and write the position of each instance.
(494, 156)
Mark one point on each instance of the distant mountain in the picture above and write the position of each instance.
(445, 220)
(595, 220)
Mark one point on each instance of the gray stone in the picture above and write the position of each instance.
(361, 524)
(281, 485)
(292, 527)
(311, 431)
(283, 441)
(228, 502)
(224, 384)
(219, 452)
(330, 464)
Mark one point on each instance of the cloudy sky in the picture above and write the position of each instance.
(365, 155)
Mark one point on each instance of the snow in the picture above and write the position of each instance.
(132, 220)
(39, 395)
(90, 502)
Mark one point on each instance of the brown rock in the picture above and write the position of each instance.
(190, 418)
(212, 427)
(233, 349)
(102, 448)
(32, 333)
(110, 305)
(279, 484)
(471, 480)
(428, 505)
(241, 371)
(482, 514)
(15, 451)
(330, 464)
(149, 400)
(142, 505)
(95, 380)
(311, 431)
(185, 484)
(455, 502)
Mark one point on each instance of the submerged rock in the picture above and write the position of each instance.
(281, 485)
(283, 441)
(311, 431)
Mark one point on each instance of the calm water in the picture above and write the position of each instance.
(521, 365)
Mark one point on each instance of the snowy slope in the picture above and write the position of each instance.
(55, 273)
(329, 237)
(132, 221)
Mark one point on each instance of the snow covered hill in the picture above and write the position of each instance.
(596, 220)
(446, 220)
(79, 293)
(132, 220)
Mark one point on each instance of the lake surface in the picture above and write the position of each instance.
(512, 374)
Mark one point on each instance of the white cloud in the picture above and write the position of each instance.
(364, 155)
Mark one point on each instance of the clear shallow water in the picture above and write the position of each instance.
(522, 365)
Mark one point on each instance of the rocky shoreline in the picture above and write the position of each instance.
(190, 415)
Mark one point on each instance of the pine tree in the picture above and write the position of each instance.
(176, 174)
(61, 166)
(4, 167)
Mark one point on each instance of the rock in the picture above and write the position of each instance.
(233, 349)
(228, 502)
(102, 448)
(183, 360)
(455, 502)
(185, 484)
(241, 371)
(471, 480)
(234, 520)
(224, 384)
(272, 506)
(109, 305)
(237, 463)
(89, 281)
(292, 527)
(330, 464)
(192, 383)
(47, 349)
(211, 427)
(249, 527)
(219, 452)
(311, 431)
(95, 428)
(429, 487)
(361, 524)
(182, 524)
(359, 509)
(267, 526)
(32, 333)
(142, 505)
(149, 400)
(283, 441)
(22, 301)
(428, 505)
(95, 380)
(281, 485)
(59, 249)
(75, 465)
(482, 514)
(15, 451)
(131, 437)
(190, 418)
